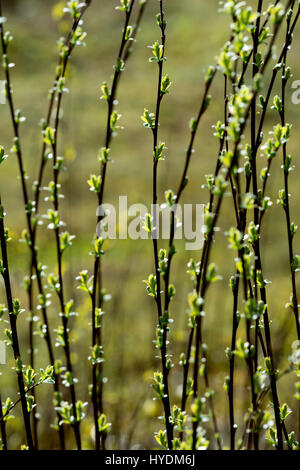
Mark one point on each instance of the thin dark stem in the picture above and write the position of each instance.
(258, 263)
(62, 64)
(286, 188)
(61, 72)
(163, 349)
(255, 37)
(232, 363)
(31, 226)
(183, 181)
(128, 48)
(31, 351)
(14, 331)
(124, 53)
(181, 187)
(61, 295)
(202, 282)
(61, 75)
(4, 415)
(286, 171)
(3, 427)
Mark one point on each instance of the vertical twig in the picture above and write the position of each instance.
(3, 427)
(124, 53)
(14, 331)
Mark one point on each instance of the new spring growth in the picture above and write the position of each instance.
(64, 52)
(158, 386)
(293, 229)
(287, 166)
(98, 317)
(16, 145)
(17, 308)
(237, 106)
(85, 282)
(151, 285)
(226, 158)
(253, 233)
(148, 223)
(170, 198)
(69, 310)
(165, 85)
(120, 65)
(128, 33)
(6, 64)
(157, 51)
(242, 349)
(113, 122)
(268, 366)
(65, 411)
(193, 125)
(158, 152)
(3, 309)
(78, 37)
(95, 183)
(105, 92)
(96, 355)
(195, 308)
(29, 376)
(220, 186)
(285, 411)
(103, 425)
(163, 268)
(253, 309)
(60, 85)
(125, 6)
(288, 74)
(7, 406)
(296, 263)
(149, 119)
(193, 269)
(7, 38)
(282, 198)
(159, 342)
(243, 16)
(3, 155)
(61, 337)
(225, 61)
(197, 410)
(161, 439)
(49, 136)
(18, 117)
(161, 24)
(208, 223)
(53, 283)
(104, 155)
(235, 238)
(276, 13)
(9, 337)
(163, 262)
(74, 8)
(277, 104)
(210, 74)
(65, 240)
(51, 190)
(178, 419)
(281, 135)
(244, 266)
(53, 217)
(98, 245)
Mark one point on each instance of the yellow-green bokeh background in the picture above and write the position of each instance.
(196, 32)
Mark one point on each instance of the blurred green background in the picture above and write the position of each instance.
(195, 34)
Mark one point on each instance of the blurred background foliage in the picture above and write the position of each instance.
(195, 34)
